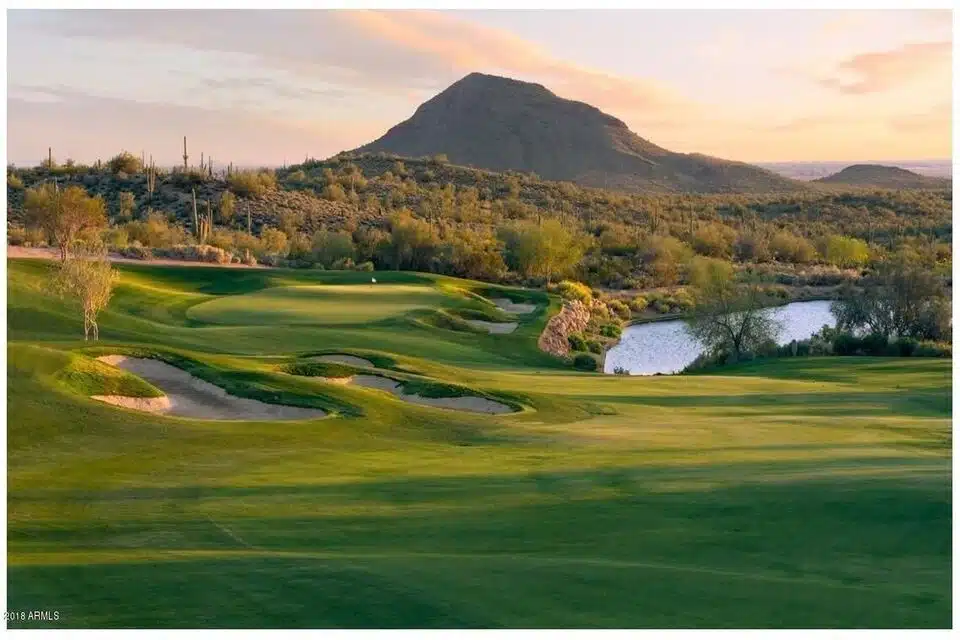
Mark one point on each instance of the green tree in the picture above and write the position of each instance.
(64, 214)
(88, 279)
(126, 204)
(332, 246)
(547, 250)
(729, 319)
(843, 251)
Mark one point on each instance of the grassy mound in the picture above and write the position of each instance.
(378, 360)
(320, 369)
(94, 378)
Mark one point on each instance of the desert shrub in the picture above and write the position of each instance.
(250, 184)
(681, 301)
(342, 264)
(14, 181)
(570, 290)
(334, 193)
(116, 237)
(195, 253)
(577, 342)
(273, 241)
(594, 346)
(620, 371)
(584, 362)
(125, 162)
(136, 252)
(16, 236)
(364, 266)
(846, 344)
(928, 349)
(611, 331)
(638, 304)
(620, 308)
(844, 251)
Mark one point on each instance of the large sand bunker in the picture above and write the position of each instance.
(191, 397)
(505, 304)
(460, 403)
(493, 327)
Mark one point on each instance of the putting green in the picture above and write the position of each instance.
(319, 304)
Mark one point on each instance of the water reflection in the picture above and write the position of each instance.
(665, 347)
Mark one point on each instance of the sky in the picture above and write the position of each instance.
(273, 87)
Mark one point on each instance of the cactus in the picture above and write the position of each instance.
(210, 167)
(201, 160)
(202, 224)
(249, 223)
(185, 153)
(151, 179)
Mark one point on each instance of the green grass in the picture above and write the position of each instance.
(804, 492)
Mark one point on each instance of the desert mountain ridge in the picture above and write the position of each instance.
(501, 124)
(886, 177)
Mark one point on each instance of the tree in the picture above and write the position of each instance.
(729, 319)
(273, 240)
(546, 250)
(63, 215)
(475, 254)
(903, 299)
(87, 278)
(413, 242)
(330, 247)
(845, 252)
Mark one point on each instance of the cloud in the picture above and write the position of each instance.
(465, 47)
(936, 120)
(880, 71)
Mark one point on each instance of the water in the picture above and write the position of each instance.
(665, 347)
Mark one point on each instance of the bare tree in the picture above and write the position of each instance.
(64, 215)
(729, 318)
(87, 278)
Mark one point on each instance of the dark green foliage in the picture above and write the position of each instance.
(584, 362)
(611, 331)
(577, 342)
(594, 346)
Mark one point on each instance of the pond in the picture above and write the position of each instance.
(665, 347)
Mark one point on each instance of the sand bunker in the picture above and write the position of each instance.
(343, 358)
(493, 327)
(462, 403)
(191, 397)
(504, 304)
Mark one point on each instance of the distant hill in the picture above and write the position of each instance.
(875, 175)
(502, 124)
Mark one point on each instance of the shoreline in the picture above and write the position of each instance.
(668, 317)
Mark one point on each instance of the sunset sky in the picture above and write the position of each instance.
(268, 87)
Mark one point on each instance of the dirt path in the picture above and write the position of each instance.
(191, 397)
(43, 253)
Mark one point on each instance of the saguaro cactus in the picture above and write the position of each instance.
(185, 156)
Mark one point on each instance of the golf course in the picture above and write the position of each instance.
(247, 448)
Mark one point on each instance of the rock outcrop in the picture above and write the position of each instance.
(573, 318)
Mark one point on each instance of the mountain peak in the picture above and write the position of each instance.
(498, 123)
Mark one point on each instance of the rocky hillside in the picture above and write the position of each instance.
(883, 177)
(501, 124)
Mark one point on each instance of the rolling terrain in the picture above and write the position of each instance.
(804, 493)
(882, 177)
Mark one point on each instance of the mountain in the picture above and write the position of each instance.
(875, 175)
(503, 124)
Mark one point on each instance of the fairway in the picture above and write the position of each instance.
(341, 304)
(801, 493)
